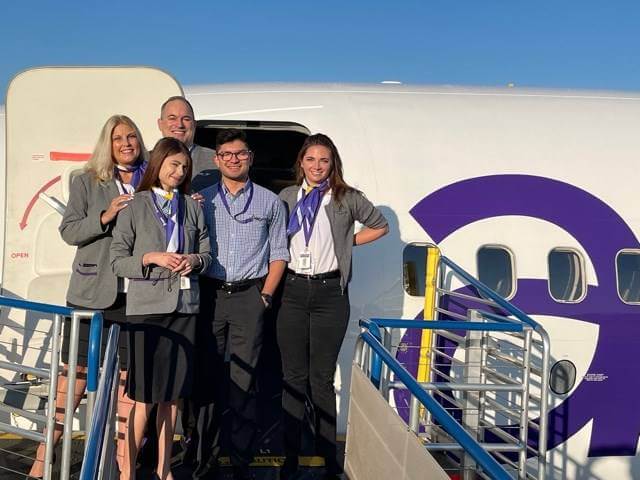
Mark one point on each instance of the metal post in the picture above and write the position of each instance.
(93, 356)
(414, 415)
(524, 413)
(470, 401)
(54, 364)
(386, 373)
(544, 405)
(104, 468)
(71, 384)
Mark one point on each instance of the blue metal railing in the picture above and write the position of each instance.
(487, 292)
(94, 336)
(514, 320)
(93, 361)
(489, 464)
(98, 436)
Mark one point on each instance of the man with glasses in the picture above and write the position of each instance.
(178, 121)
(247, 229)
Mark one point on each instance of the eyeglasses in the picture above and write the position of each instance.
(242, 155)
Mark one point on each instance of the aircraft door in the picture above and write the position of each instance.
(54, 117)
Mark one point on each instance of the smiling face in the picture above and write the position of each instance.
(173, 171)
(316, 164)
(125, 147)
(177, 122)
(230, 165)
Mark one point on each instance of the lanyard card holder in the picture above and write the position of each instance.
(304, 261)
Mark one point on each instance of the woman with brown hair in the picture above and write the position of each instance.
(314, 315)
(160, 243)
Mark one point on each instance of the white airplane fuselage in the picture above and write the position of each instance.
(564, 163)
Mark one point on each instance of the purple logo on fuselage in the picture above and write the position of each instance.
(602, 233)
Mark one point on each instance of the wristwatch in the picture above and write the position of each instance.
(268, 299)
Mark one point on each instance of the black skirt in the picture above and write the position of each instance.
(161, 357)
(113, 314)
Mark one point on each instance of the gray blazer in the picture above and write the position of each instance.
(93, 284)
(204, 171)
(342, 215)
(155, 289)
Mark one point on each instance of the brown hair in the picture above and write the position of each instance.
(164, 148)
(336, 180)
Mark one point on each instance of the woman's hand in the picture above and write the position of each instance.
(117, 204)
(167, 260)
(177, 263)
(189, 262)
(198, 197)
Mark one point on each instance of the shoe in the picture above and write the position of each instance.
(242, 472)
(289, 468)
(207, 471)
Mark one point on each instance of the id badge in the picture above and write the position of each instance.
(304, 261)
(185, 283)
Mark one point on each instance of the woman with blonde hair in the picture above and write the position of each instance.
(96, 198)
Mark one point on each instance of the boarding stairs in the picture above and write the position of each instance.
(471, 400)
(468, 400)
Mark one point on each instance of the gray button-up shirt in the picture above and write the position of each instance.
(242, 251)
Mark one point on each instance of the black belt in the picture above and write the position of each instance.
(239, 286)
(317, 276)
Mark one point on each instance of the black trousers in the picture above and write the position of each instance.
(224, 396)
(311, 325)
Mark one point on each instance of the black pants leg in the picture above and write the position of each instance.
(228, 414)
(209, 398)
(312, 323)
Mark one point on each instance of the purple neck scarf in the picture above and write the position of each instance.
(137, 169)
(304, 213)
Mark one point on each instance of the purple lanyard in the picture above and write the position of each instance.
(167, 222)
(223, 197)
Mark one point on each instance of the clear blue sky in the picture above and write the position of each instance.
(567, 44)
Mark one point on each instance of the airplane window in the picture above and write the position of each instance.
(562, 377)
(628, 273)
(495, 269)
(414, 261)
(567, 282)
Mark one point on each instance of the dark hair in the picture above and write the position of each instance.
(336, 181)
(229, 135)
(165, 148)
(176, 97)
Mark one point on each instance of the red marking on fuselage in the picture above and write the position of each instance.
(34, 199)
(68, 157)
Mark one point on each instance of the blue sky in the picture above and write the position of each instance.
(566, 44)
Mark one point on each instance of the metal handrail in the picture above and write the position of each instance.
(546, 348)
(94, 351)
(103, 406)
(482, 288)
(448, 423)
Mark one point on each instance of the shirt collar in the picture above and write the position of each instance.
(305, 186)
(244, 188)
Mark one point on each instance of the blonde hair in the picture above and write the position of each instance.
(101, 161)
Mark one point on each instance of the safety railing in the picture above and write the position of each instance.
(51, 374)
(499, 360)
(96, 463)
(482, 360)
(379, 357)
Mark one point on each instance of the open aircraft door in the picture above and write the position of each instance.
(54, 117)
